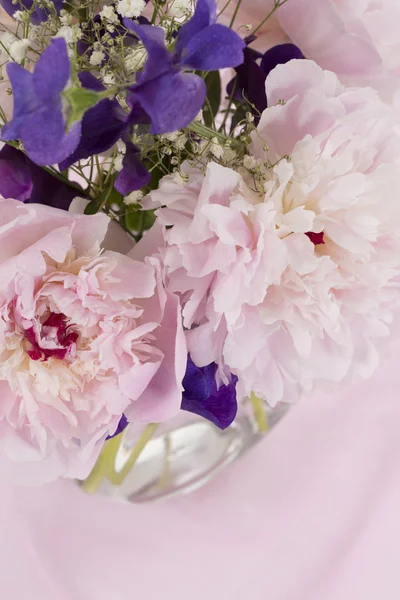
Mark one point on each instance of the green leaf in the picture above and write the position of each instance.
(107, 197)
(211, 106)
(79, 101)
(137, 221)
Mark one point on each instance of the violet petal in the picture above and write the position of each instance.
(134, 174)
(198, 383)
(38, 118)
(279, 55)
(172, 101)
(15, 176)
(45, 139)
(215, 47)
(123, 423)
(22, 179)
(102, 126)
(25, 100)
(202, 397)
(159, 59)
(204, 15)
(52, 71)
(250, 84)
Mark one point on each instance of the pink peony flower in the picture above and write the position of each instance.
(357, 39)
(289, 276)
(85, 335)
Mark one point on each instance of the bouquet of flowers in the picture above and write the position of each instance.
(195, 212)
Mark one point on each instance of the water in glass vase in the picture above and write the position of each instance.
(175, 457)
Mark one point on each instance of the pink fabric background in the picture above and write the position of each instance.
(313, 513)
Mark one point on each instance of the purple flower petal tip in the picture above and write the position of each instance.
(123, 423)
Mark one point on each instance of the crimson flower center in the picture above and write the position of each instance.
(316, 238)
(54, 338)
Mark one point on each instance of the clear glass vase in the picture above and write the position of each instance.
(175, 457)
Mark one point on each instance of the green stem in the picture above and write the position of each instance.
(118, 478)
(105, 465)
(277, 5)
(155, 13)
(235, 13)
(260, 414)
(99, 171)
(228, 108)
(224, 8)
(209, 133)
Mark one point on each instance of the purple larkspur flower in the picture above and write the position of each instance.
(38, 118)
(249, 81)
(37, 16)
(102, 126)
(22, 179)
(171, 97)
(203, 397)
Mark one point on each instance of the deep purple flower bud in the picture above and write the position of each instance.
(22, 179)
(203, 397)
(249, 82)
(170, 97)
(279, 55)
(38, 118)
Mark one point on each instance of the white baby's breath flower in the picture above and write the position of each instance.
(108, 78)
(171, 137)
(66, 18)
(97, 58)
(12, 47)
(18, 50)
(215, 148)
(71, 34)
(133, 198)
(35, 31)
(130, 8)
(135, 58)
(180, 141)
(180, 8)
(250, 162)
(6, 40)
(121, 147)
(229, 155)
(118, 162)
(108, 14)
(21, 16)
